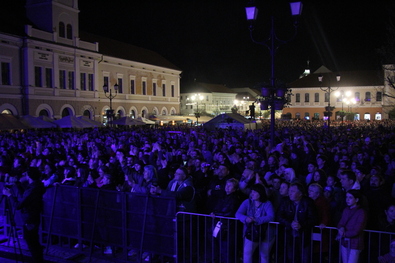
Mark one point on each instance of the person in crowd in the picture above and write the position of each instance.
(182, 188)
(319, 177)
(216, 187)
(69, 176)
(351, 226)
(49, 175)
(322, 163)
(274, 191)
(311, 168)
(144, 185)
(378, 199)
(255, 213)
(363, 178)
(284, 191)
(227, 207)
(390, 256)
(315, 192)
(201, 180)
(31, 206)
(108, 182)
(289, 175)
(82, 175)
(247, 180)
(298, 215)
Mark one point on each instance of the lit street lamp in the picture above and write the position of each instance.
(343, 96)
(197, 97)
(328, 90)
(349, 103)
(272, 96)
(109, 95)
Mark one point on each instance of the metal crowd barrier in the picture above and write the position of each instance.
(109, 218)
(197, 241)
(150, 224)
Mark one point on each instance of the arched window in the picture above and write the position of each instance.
(66, 112)
(306, 97)
(357, 96)
(133, 114)
(69, 31)
(43, 113)
(379, 96)
(297, 97)
(87, 113)
(7, 111)
(367, 96)
(297, 115)
(316, 97)
(61, 30)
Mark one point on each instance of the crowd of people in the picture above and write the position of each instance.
(311, 167)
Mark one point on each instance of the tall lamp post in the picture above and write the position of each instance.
(272, 96)
(343, 97)
(328, 91)
(349, 103)
(198, 98)
(109, 95)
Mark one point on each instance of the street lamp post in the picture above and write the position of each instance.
(343, 96)
(272, 96)
(328, 90)
(197, 97)
(349, 103)
(109, 95)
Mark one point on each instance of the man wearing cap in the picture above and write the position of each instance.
(30, 206)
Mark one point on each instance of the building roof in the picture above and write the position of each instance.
(347, 79)
(127, 51)
(227, 118)
(200, 87)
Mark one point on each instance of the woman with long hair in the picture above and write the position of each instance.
(351, 226)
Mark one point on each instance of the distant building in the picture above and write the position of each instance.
(51, 68)
(212, 99)
(360, 95)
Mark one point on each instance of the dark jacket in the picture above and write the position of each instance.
(31, 204)
(184, 194)
(306, 214)
(228, 205)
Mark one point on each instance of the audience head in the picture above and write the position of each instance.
(149, 172)
(314, 191)
(353, 198)
(231, 186)
(347, 179)
(258, 193)
(296, 192)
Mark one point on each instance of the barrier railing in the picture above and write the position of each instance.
(200, 240)
(123, 221)
(150, 224)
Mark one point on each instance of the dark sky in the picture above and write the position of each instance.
(210, 42)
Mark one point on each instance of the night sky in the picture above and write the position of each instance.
(209, 40)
